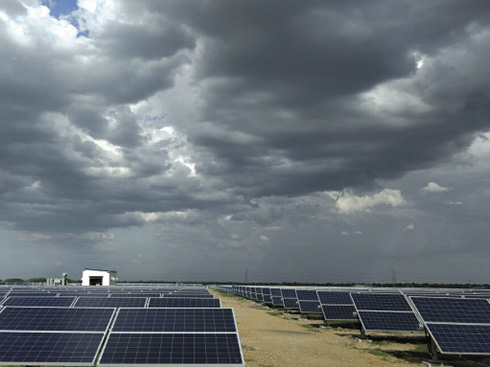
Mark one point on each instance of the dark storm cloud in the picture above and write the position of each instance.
(288, 76)
(241, 113)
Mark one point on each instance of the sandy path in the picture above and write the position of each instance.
(273, 339)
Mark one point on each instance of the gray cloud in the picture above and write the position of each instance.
(214, 129)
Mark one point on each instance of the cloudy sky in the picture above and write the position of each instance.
(308, 141)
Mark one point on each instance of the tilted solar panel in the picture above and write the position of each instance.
(187, 295)
(453, 310)
(306, 295)
(175, 320)
(178, 348)
(309, 306)
(389, 321)
(184, 302)
(39, 301)
(277, 301)
(339, 312)
(276, 292)
(110, 302)
(461, 338)
(334, 298)
(267, 298)
(288, 293)
(137, 294)
(377, 301)
(291, 303)
(55, 319)
(65, 348)
(33, 294)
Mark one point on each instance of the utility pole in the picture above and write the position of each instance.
(246, 276)
(393, 276)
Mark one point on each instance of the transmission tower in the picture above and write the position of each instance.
(246, 276)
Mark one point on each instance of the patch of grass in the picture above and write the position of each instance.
(311, 328)
(378, 352)
(420, 348)
(275, 313)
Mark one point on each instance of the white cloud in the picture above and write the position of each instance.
(434, 187)
(410, 226)
(344, 233)
(348, 203)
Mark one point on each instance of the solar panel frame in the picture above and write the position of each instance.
(39, 301)
(56, 319)
(110, 302)
(393, 321)
(30, 348)
(129, 342)
(380, 302)
(339, 312)
(309, 306)
(335, 298)
(307, 295)
(452, 310)
(174, 320)
(184, 302)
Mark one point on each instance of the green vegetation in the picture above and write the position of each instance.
(378, 352)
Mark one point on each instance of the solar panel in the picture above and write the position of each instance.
(277, 301)
(377, 301)
(26, 348)
(389, 321)
(137, 294)
(187, 295)
(307, 295)
(267, 298)
(110, 302)
(276, 292)
(334, 298)
(184, 302)
(289, 293)
(55, 319)
(175, 319)
(339, 312)
(309, 306)
(461, 338)
(453, 310)
(32, 294)
(178, 348)
(291, 303)
(39, 301)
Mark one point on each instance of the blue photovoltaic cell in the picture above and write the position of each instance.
(339, 312)
(175, 319)
(39, 301)
(389, 321)
(267, 298)
(127, 349)
(277, 301)
(266, 291)
(291, 303)
(35, 348)
(55, 319)
(461, 339)
(377, 301)
(184, 302)
(289, 293)
(110, 302)
(276, 292)
(138, 294)
(185, 295)
(453, 310)
(306, 295)
(334, 298)
(259, 297)
(32, 294)
(309, 306)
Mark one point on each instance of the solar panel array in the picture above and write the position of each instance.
(385, 312)
(456, 325)
(121, 327)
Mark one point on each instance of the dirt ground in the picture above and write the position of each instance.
(272, 338)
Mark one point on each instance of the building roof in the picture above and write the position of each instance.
(105, 270)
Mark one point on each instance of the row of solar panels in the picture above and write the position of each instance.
(456, 322)
(110, 302)
(199, 333)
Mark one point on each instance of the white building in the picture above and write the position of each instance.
(99, 277)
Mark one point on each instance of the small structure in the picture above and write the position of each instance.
(99, 277)
(57, 281)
